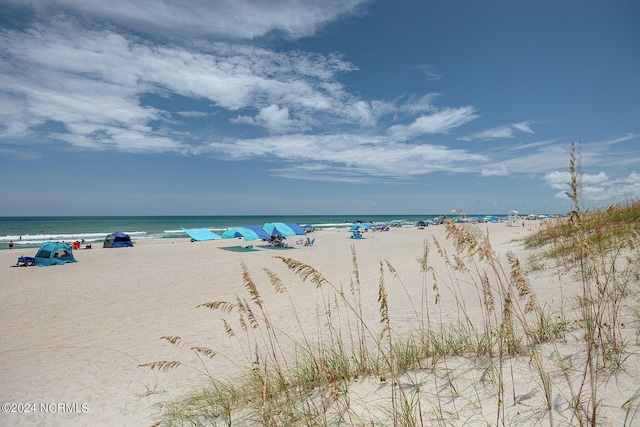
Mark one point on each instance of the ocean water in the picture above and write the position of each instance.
(30, 232)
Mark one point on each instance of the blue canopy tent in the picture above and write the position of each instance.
(201, 234)
(250, 232)
(284, 229)
(54, 253)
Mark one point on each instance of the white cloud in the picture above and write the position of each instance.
(442, 121)
(596, 189)
(415, 105)
(495, 133)
(557, 180)
(231, 19)
(595, 179)
(501, 132)
(191, 113)
(430, 72)
(545, 158)
(273, 118)
(523, 127)
(96, 87)
(329, 157)
(93, 82)
(500, 170)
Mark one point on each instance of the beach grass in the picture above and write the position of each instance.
(494, 355)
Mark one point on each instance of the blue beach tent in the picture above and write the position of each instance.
(117, 240)
(54, 253)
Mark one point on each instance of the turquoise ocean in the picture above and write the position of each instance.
(30, 232)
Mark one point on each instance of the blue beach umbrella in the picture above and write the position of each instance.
(359, 226)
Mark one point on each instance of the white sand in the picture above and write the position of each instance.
(75, 334)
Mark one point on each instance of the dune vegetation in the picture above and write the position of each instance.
(497, 354)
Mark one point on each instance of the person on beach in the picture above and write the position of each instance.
(11, 244)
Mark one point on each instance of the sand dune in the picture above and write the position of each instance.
(76, 334)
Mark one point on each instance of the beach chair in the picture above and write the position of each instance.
(26, 261)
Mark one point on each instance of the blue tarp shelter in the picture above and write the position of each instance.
(250, 232)
(54, 253)
(117, 240)
(284, 229)
(201, 234)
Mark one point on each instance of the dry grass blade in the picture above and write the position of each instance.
(205, 351)
(253, 320)
(248, 282)
(576, 175)
(424, 259)
(356, 270)
(161, 365)
(241, 312)
(218, 305)
(521, 283)
(173, 339)
(228, 329)
(487, 294)
(463, 239)
(384, 306)
(391, 268)
(305, 271)
(276, 282)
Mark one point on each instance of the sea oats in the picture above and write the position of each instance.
(205, 351)
(486, 292)
(175, 340)
(459, 265)
(391, 269)
(424, 259)
(356, 271)
(241, 313)
(384, 307)
(218, 305)
(304, 271)
(250, 285)
(162, 365)
(276, 282)
(228, 329)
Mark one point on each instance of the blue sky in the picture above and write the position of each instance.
(167, 107)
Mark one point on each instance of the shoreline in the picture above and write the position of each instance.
(29, 232)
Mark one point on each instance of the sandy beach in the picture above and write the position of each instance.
(73, 336)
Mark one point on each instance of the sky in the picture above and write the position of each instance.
(316, 107)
